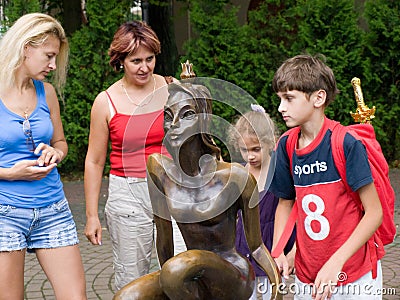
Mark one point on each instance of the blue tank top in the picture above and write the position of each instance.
(13, 148)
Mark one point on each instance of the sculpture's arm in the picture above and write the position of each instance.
(164, 243)
(162, 219)
(251, 222)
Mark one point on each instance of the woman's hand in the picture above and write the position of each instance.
(93, 230)
(48, 155)
(29, 170)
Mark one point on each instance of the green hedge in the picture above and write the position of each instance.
(357, 41)
(89, 74)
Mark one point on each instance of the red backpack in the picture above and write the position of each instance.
(379, 169)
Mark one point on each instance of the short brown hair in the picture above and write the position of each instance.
(306, 73)
(127, 39)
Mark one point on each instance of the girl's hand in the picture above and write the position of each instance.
(49, 155)
(29, 170)
(283, 265)
(290, 258)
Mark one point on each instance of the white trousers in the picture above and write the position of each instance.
(129, 219)
(364, 288)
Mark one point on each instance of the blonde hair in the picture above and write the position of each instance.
(32, 29)
(255, 124)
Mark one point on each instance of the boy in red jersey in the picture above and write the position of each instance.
(337, 256)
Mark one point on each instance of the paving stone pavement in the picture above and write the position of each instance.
(98, 259)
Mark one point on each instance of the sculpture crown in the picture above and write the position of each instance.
(187, 70)
(363, 113)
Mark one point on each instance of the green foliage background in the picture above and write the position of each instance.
(357, 41)
(89, 74)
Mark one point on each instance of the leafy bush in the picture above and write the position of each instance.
(359, 41)
(382, 71)
(249, 55)
(89, 74)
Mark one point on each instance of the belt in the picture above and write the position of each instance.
(135, 179)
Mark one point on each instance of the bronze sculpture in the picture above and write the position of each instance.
(204, 195)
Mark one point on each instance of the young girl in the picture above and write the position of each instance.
(253, 135)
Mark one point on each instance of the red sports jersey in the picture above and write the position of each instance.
(327, 215)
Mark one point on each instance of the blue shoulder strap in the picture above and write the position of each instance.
(40, 93)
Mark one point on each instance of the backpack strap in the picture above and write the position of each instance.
(292, 137)
(287, 232)
(291, 142)
(337, 142)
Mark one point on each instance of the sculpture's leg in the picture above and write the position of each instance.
(198, 274)
(265, 260)
(146, 287)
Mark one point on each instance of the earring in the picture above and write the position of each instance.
(121, 67)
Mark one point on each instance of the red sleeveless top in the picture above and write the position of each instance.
(133, 139)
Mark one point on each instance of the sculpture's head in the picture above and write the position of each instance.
(187, 115)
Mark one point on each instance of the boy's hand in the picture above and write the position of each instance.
(326, 280)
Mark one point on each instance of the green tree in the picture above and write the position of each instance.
(16, 8)
(382, 84)
(249, 55)
(331, 28)
(269, 49)
(89, 74)
(216, 49)
(72, 15)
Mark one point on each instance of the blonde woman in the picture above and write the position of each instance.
(34, 213)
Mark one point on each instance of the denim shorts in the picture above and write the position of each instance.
(36, 228)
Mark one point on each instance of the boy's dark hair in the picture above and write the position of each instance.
(306, 73)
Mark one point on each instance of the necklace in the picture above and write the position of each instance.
(25, 111)
(141, 104)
